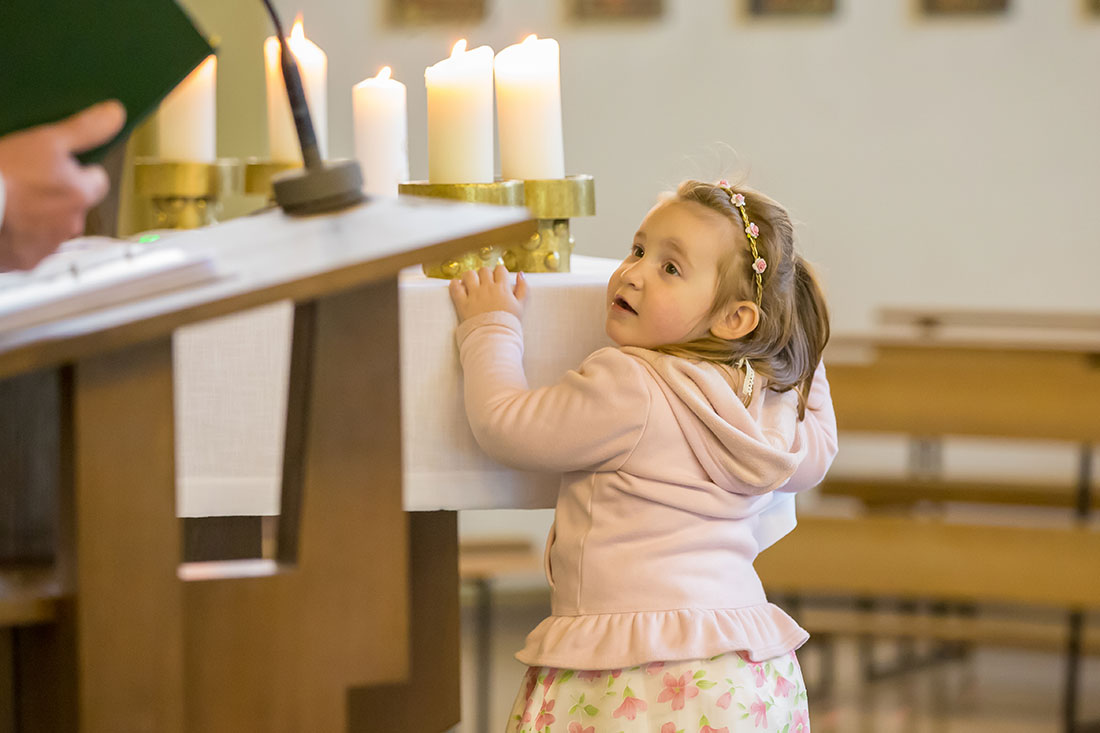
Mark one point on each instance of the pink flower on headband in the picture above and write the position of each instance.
(759, 265)
(723, 183)
(737, 199)
(752, 230)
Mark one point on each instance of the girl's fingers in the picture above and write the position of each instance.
(458, 291)
(521, 286)
(469, 278)
(500, 274)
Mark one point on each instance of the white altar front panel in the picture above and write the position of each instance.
(231, 380)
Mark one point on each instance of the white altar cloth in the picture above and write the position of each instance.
(231, 384)
(231, 380)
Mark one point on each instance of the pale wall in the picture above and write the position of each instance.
(948, 162)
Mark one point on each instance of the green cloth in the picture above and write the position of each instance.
(59, 56)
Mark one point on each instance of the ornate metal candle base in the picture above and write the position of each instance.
(186, 194)
(502, 193)
(552, 201)
(259, 175)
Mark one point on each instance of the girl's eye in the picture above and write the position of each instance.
(637, 250)
(671, 269)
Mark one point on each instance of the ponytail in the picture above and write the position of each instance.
(809, 330)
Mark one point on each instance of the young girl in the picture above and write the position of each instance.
(712, 409)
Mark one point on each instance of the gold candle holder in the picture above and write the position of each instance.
(186, 194)
(259, 175)
(552, 201)
(501, 193)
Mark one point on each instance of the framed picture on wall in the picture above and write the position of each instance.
(792, 7)
(425, 12)
(615, 9)
(964, 7)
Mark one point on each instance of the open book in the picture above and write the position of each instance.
(96, 272)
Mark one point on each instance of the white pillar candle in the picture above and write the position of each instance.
(528, 87)
(379, 106)
(313, 68)
(186, 120)
(460, 116)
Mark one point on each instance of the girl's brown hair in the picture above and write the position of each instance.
(786, 345)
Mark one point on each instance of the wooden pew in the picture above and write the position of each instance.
(902, 557)
(944, 375)
(965, 382)
(947, 373)
(482, 562)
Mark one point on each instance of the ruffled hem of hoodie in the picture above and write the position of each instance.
(617, 640)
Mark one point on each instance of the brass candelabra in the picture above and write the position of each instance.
(552, 201)
(186, 194)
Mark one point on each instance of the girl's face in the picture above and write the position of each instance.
(663, 291)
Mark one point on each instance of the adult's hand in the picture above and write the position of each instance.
(48, 192)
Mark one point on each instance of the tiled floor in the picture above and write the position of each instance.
(989, 690)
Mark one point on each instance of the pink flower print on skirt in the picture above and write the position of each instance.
(677, 690)
(724, 694)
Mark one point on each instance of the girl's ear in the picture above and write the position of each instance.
(739, 320)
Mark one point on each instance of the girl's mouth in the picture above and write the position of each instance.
(624, 305)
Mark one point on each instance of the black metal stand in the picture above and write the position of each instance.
(484, 626)
(1077, 618)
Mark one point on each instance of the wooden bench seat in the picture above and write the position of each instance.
(903, 557)
(1039, 635)
(486, 559)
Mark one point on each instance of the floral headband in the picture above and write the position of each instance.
(752, 232)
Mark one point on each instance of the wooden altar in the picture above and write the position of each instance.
(104, 628)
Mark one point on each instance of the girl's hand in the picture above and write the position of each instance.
(481, 291)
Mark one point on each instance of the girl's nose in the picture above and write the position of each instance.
(632, 274)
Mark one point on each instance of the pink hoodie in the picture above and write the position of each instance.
(665, 476)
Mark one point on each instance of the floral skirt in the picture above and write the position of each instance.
(723, 694)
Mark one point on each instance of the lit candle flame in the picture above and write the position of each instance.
(384, 73)
(298, 32)
(531, 38)
(459, 49)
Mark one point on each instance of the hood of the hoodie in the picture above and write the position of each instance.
(745, 450)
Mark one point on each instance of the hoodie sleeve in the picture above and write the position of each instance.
(818, 433)
(591, 419)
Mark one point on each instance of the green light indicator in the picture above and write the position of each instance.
(147, 238)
